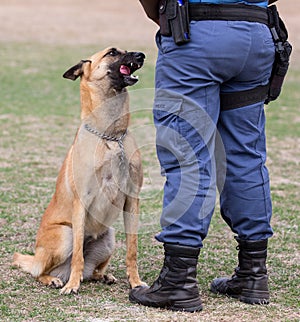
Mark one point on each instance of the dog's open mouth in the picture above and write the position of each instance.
(127, 72)
(122, 70)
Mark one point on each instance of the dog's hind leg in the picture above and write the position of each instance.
(28, 264)
(97, 255)
(37, 265)
(50, 252)
(32, 265)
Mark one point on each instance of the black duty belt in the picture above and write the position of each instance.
(233, 12)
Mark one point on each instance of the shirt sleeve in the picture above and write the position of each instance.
(151, 8)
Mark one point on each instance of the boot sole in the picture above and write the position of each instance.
(254, 297)
(248, 296)
(193, 305)
(187, 306)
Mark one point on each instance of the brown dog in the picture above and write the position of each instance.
(100, 177)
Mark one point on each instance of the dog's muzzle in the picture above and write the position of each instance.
(122, 70)
(131, 62)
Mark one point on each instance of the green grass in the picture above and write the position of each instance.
(39, 117)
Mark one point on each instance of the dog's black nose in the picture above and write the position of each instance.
(139, 56)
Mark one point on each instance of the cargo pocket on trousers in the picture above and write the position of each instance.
(169, 140)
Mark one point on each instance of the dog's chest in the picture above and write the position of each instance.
(112, 169)
(109, 186)
(101, 172)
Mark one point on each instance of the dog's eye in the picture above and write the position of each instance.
(113, 52)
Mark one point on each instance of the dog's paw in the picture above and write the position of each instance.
(106, 279)
(56, 283)
(109, 279)
(69, 289)
(138, 284)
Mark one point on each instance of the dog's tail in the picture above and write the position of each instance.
(28, 264)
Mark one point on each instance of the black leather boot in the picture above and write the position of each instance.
(176, 287)
(249, 283)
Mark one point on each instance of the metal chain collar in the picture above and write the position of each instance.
(109, 138)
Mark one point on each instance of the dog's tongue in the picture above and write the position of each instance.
(125, 70)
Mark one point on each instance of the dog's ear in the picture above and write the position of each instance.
(74, 72)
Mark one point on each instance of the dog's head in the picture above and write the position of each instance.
(114, 65)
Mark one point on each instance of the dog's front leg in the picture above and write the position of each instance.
(131, 221)
(77, 264)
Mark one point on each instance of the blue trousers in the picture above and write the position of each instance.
(200, 147)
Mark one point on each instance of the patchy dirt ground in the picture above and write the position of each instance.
(105, 22)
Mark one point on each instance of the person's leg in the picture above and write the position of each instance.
(246, 202)
(245, 199)
(245, 196)
(185, 147)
